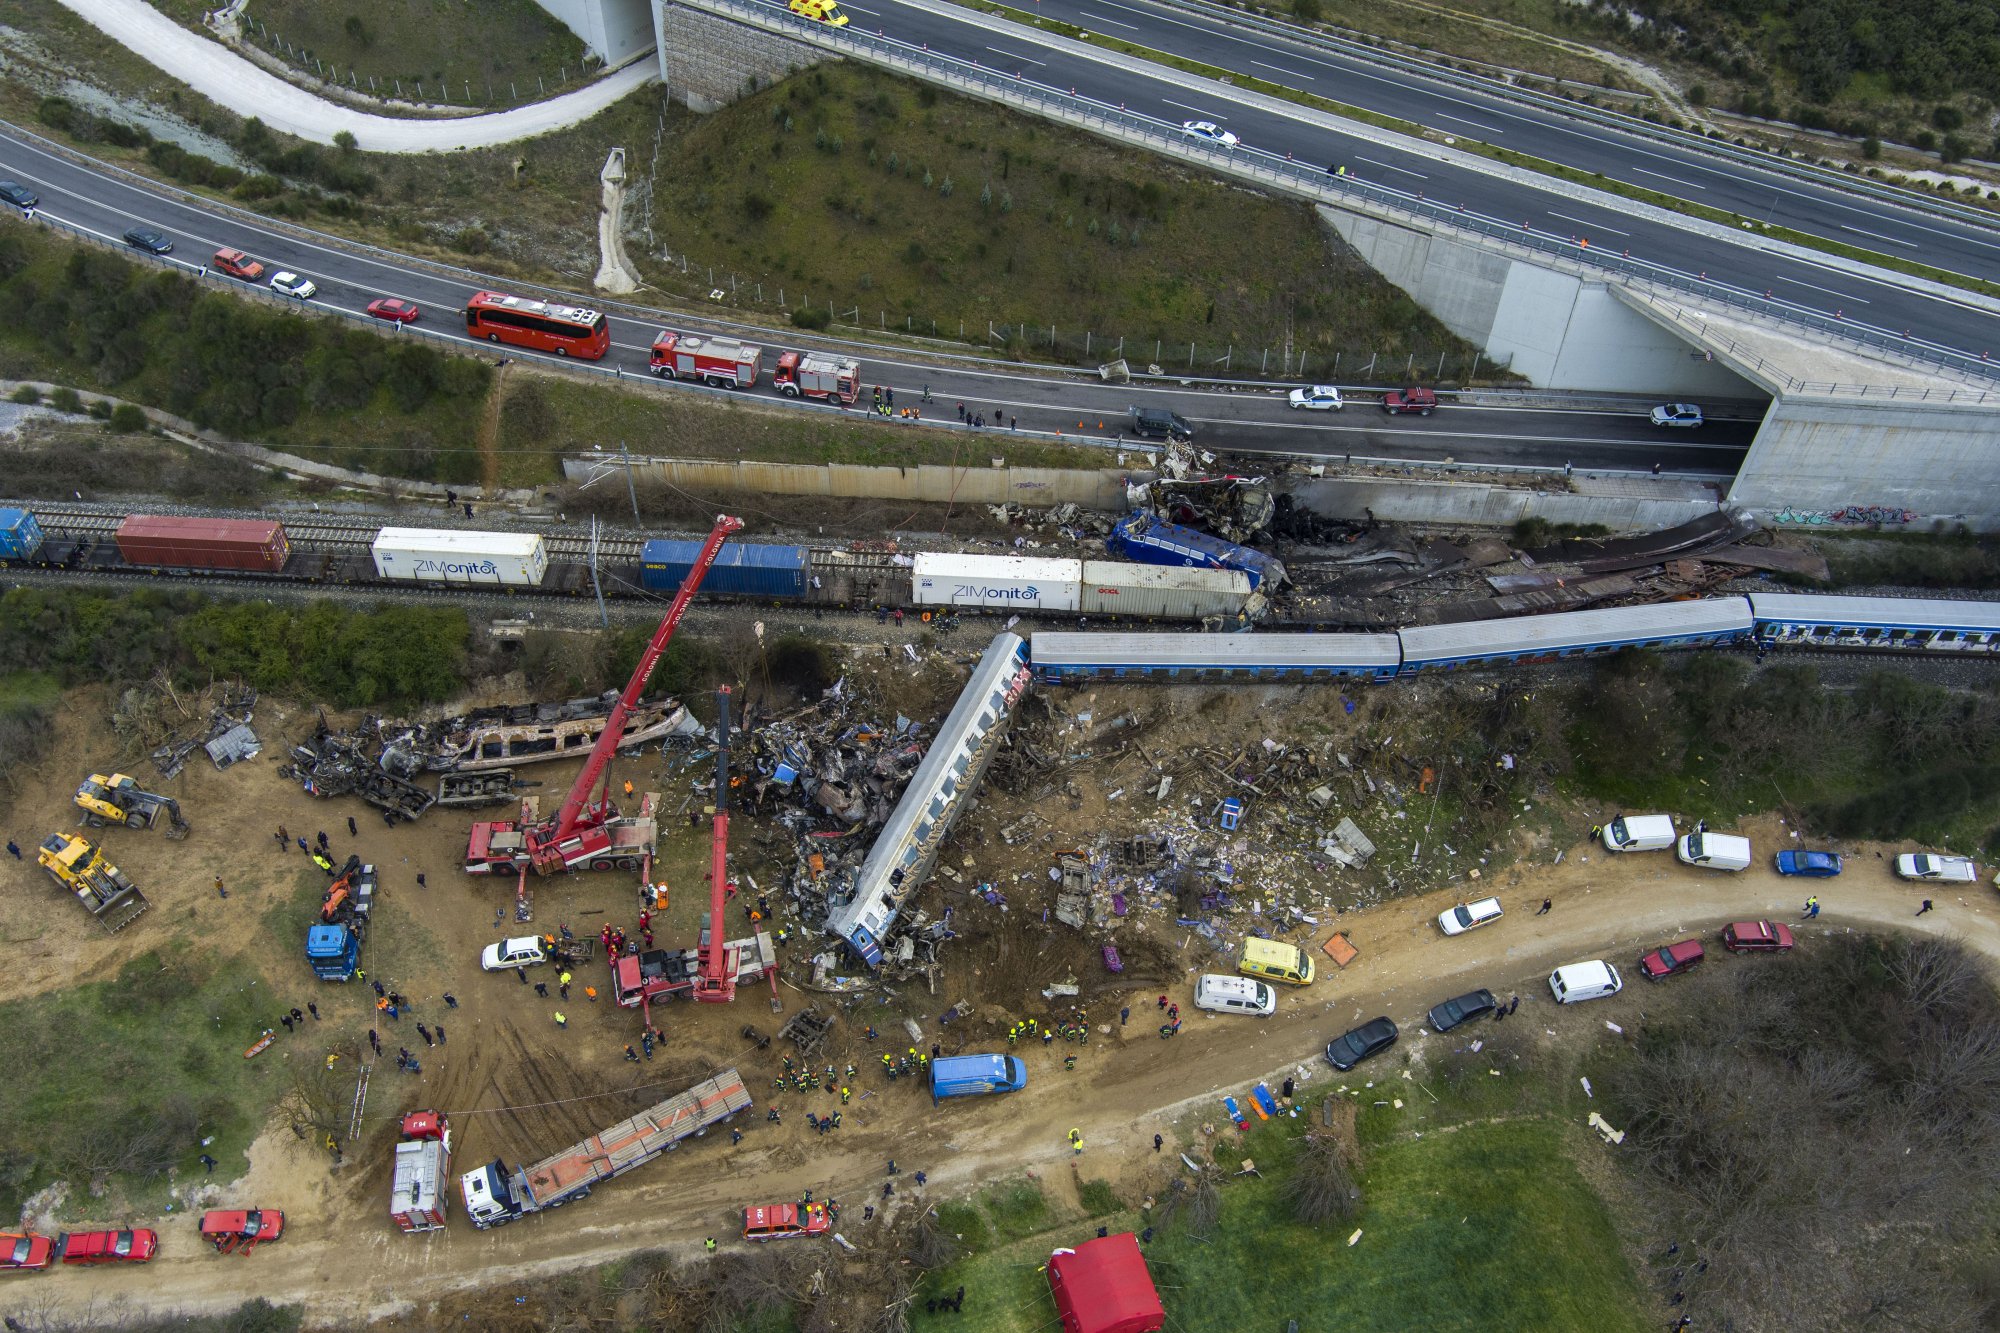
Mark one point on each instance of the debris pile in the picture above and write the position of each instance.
(825, 762)
(158, 719)
(339, 763)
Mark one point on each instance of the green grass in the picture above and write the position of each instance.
(1487, 1225)
(493, 43)
(547, 417)
(102, 1068)
(32, 690)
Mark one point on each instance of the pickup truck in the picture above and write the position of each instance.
(1929, 865)
(237, 265)
(1416, 399)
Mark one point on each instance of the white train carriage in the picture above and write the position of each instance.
(1911, 624)
(1068, 657)
(1707, 623)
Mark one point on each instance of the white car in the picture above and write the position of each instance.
(1929, 865)
(1209, 132)
(521, 951)
(286, 283)
(1319, 398)
(1467, 916)
(1677, 414)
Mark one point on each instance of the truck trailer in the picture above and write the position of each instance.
(722, 362)
(809, 375)
(495, 1197)
(333, 941)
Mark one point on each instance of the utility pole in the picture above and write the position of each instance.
(630, 489)
(603, 616)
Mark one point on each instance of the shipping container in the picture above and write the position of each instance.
(1116, 588)
(740, 570)
(997, 582)
(1150, 541)
(203, 543)
(20, 535)
(431, 555)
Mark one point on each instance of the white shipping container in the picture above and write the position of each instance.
(430, 555)
(1120, 588)
(998, 582)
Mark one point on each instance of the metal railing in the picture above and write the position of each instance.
(1321, 186)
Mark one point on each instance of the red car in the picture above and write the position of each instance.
(1415, 399)
(240, 1232)
(134, 1246)
(394, 309)
(237, 265)
(24, 1251)
(1674, 958)
(1756, 937)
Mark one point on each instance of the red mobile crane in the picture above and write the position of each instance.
(587, 834)
(716, 983)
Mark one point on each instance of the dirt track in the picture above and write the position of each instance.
(504, 1052)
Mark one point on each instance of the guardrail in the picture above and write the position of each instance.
(1324, 186)
(1763, 160)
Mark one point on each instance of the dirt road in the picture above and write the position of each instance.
(344, 1263)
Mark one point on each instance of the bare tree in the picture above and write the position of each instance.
(1320, 1186)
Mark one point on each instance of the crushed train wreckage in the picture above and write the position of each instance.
(379, 760)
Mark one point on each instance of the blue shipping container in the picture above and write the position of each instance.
(740, 569)
(20, 535)
(1147, 540)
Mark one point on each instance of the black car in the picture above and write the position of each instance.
(150, 239)
(1351, 1048)
(1462, 1009)
(19, 195)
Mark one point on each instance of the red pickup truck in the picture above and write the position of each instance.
(1414, 399)
(238, 265)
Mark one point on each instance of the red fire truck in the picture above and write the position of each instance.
(815, 376)
(722, 362)
(781, 1221)
(423, 1166)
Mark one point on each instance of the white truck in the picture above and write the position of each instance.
(1931, 866)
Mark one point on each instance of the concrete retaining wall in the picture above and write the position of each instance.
(1816, 455)
(708, 62)
(1473, 504)
(1101, 489)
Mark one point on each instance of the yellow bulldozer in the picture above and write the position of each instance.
(100, 886)
(118, 799)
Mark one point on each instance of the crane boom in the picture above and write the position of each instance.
(717, 982)
(614, 725)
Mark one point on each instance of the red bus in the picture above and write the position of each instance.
(566, 330)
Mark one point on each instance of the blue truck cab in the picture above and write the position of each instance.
(974, 1075)
(334, 952)
(333, 943)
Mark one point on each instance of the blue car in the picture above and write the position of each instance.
(1813, 865)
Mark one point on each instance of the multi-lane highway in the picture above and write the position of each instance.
(106, 203)
(1966, 245)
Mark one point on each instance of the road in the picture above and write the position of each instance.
(105, 203)
(229, 80)
(1825, 287)
(1122, 1092)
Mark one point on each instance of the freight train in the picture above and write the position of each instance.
(310, 551)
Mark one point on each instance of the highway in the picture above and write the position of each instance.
(1963, 323)
(1253, 419)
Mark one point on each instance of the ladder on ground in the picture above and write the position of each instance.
(360, 1103)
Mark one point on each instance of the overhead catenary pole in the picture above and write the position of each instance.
(596, 586)
(630, 489)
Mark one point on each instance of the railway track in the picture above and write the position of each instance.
(345, 536)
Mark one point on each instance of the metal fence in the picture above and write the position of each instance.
(1319, 185)
(473, 92)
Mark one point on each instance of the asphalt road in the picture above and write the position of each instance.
(1970, 248)
(348, 278)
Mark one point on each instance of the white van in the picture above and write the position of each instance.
(1714, 851)
(1234, 995)
(1585, 981)
(1639, 833)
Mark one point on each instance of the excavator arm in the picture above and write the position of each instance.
(717, 982)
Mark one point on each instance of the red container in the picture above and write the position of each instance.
(203, 543)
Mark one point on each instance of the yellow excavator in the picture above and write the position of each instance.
(118, 799)
(100, 886)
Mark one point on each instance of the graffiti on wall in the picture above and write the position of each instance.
(1851, 515)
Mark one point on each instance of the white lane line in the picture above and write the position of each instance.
(1203, 112)
(1685, 185)
(1390, 166)
(1858, 300)
(1878, 236)
(1026, 60)
(1484, 129)
(1113, 22)
(1595, 226)
(1289, 73)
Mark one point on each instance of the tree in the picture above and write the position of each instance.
(1320, 1186)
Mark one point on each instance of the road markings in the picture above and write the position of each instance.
(1878, 236)
(1484, 129)
(1289, 73)
(1685, 185)
(1202, 112)
(1858, 300)
(1390, 166)
(1594, 226)
(1102, 19)
(1026, 60)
